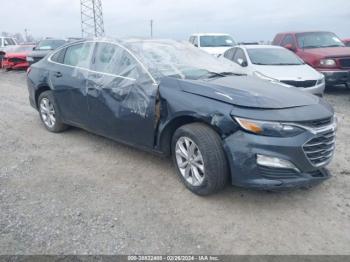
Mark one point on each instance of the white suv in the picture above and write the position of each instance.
(6, 41)
(214, 44)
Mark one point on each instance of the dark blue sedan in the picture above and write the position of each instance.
(171, 98)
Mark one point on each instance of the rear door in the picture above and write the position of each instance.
(121, 96)
(68, 75)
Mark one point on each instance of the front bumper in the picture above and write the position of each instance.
(337, 77)
(14, 65)
(242, 149)
(315, 90)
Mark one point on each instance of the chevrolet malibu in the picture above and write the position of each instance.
(171, 98)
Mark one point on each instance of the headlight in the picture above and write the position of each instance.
(267, 78)
(327, 62)
(30, 59)
(266, 128)
(264, 77)
(321, 81)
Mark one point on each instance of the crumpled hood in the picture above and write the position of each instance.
(329, 51)
(249, 91)
(17, 55)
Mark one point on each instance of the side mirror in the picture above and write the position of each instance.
(34, 48)
(290, 47)
(242, 63)
(195, 44)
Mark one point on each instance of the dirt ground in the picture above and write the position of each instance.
(77, 193)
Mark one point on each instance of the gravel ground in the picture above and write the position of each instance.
(77, 193)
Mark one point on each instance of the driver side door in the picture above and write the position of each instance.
(121, 97)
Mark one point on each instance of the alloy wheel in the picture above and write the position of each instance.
(47, 112)
(190, 161)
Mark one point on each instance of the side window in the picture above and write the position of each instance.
(229, 53)
(79, 55)
(288, 40)
(112, 59)
(239, 57)
(195, 41)
(191, 39)
(59, 56)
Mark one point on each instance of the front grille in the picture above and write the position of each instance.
(320, 149)
(318, 123)
(344, 62)
(277, 173)
(16, 60)
(307, 83)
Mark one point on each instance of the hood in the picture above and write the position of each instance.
(39, 53)
(248, 91)
(329, 51)
(18, 55)
(289, 72)
(219, 50)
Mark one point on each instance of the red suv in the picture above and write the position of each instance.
(324, 51)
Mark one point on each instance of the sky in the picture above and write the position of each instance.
(245, 20)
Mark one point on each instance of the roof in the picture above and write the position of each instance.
(261, 47)
(301, 32)
(210, 34)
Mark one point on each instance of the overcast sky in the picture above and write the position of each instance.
(246, 20)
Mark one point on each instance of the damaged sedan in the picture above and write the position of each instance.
(219, 125)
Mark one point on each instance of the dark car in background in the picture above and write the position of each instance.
(346, 41)
(43, 48)
(324, 51)
(173, 99)
(16, 57)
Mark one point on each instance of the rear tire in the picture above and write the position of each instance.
(203, 144)
(49, 114)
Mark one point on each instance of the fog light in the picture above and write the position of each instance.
(275, 162)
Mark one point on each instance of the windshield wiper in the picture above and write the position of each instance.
(332, 46)
(222, 74)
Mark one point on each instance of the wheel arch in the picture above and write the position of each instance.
(39, 91)
(167, 132)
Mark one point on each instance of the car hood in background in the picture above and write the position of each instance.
(329, 51)
(249, 91)
(11, 55)
(289, 72)
(216, 50)
(39, 53)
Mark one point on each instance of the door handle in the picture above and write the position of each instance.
(58, 74)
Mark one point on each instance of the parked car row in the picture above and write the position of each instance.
(21, 56)
(323, 51)
(219, 123)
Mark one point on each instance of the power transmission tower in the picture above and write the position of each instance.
(91, 18)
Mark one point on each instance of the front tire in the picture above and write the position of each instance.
(49, 114)
(199, 159)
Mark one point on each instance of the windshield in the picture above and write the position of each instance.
(318, 40)
(9, 42)
(50, 44)
(216, 41)
(181, 60)
(273, 56)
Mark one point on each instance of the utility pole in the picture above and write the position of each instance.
(151, 24)
(91, 18)
(26, 34)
